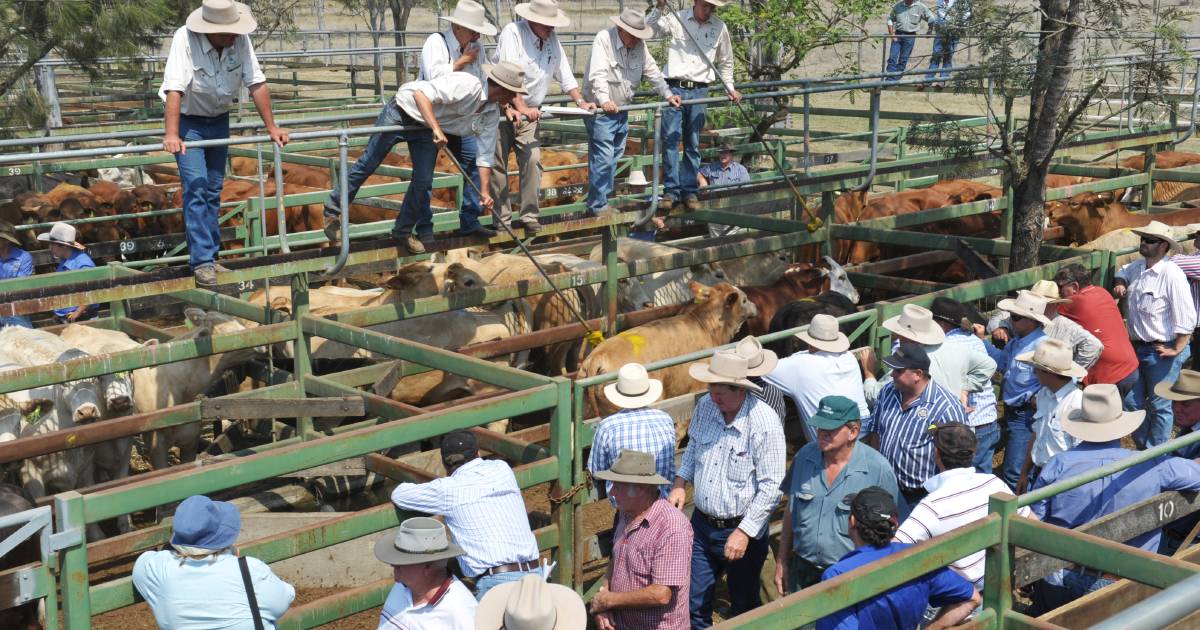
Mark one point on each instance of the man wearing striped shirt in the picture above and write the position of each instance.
(636, 427)
(897, 428)
(958, 495)
(483, 508)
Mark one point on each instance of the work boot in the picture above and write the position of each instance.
(205, 275)
(412, 244)
(333, 228)
(532, 227)
(692, 203)
(667, 201)
(478, 231)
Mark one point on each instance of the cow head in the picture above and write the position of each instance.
(730, 305)
(707, 273)
(415, 280)
(81, 397)
(839, 280)
(211, 323)
(460, 278)
(632, 296)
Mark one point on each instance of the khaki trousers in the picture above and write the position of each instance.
(522, 138)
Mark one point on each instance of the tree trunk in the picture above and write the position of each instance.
(401, 9)
(1029, 218)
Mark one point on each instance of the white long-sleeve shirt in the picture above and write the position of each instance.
(543, 60)
(614, 72)
(208, 78)
(683, 60)
(461, 108)
(440, 52)
(1160, 301)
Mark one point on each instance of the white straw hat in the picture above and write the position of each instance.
(634, 388)
(471, 16)
(726, 368)
(633, 22)
(1101, 418)
(916, 323)
(61, 234)
(1054, 355)
(637, 178)
(222, 16)
(530, 604)
(759, 361)
(1156, 229)
(1048, 290)
(823, 334)
(1026, 305)
(507, 75)
(543, 12)
(1186, 387)
(418, 540)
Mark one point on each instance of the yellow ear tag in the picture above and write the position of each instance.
(594, 338)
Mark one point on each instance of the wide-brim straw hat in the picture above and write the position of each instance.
(717, 3)
(916, 323)
(507, 75)
(634, 388)
(823, 334)
(637, 177)
(1158, 229)
(222, 16)
(1048, 290)
(418, 540)
(61, 234)
(530, 603)
(1184, 388)
(9, 233)
(725, 368)
(1026, 305)
(1101, 418)
(633, 467)
(1054, 355)
(633, 22)
(471, 16)
(759, 361)
(543, 12)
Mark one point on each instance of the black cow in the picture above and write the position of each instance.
(801, 312)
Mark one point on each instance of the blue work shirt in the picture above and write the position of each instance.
(718, 175)
(1020, 383)
(1112, 493)
(17, 264)
(205, 594)
(904, 431)
(902, 607)
(78, 260)
(820, 511)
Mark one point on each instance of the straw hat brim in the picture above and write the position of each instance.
(1166, 390)
(931, 337)
(45, 238)
(516, 89)
(766, 367)
(701, 372)
(386, 552)
(1075, 371)
(568, 606)
(244, 25)
(1125, 424)
(1172, 244)
(640, 33)
(1010, 305)
(840, 344)
(525, 10)
(633, 402)
(10, 238)
(484, 29)
(649, 480)
(717, 3)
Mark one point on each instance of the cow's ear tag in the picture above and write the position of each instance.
(34, 416)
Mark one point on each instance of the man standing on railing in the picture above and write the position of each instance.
(453, 103)
(949, 21)
(697, 40)
(458, 49)
(14, 263)
(211, 59)
(619, 61)
(902, 25)
(532, 45)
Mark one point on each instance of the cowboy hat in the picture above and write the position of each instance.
(205, 524)
(633, 467)
(759, 362)
(1159, 230)
(916, 323)
(1186, 387)
(634, 388)
(61, 234)
(530, 604)
(418, 540)
(823, 334)
(637, 177)
(1026, 305)
(717, 3)
(222, 16)
(543, 12)
(633, 22)
(1048, 290)
(507, 75)
(1100, 418)
(471, 16)
(726, 368)
(9, 233)
(1054, 355)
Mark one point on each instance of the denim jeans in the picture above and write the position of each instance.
(1020, 433)
(16, 320)
(1160, 417)
(463, 149)
(606, 145)
(486, 583)
(709, 563)
(682, 123)
(202, 175)
(901, 48)
(414, 210)
(1048, 596)
(942, 56)
(986, 438)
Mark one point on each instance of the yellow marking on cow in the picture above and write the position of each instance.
(637, 341)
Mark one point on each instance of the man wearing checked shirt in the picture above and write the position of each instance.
(735, 460)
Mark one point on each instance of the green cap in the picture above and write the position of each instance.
(834, 412)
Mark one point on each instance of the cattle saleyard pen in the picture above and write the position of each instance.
(552, 425)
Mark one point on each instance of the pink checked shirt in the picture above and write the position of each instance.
(656, 549)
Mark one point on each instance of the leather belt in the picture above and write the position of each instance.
(721, 523)
(906, 32)
(511, 567)
(685, 84)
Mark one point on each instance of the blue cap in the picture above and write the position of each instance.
(204, 523)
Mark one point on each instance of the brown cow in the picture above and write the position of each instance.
(710, 321)
(966, 190)
(1088, 216)
(1168, 192)
(854, 206)
(298, 218)
(801, 280)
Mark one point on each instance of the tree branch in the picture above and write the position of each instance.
(26, 66)
(1064, 130)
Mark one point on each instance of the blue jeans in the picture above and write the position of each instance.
(682, 123)
(1160, 417)
(708, 563)
(986, 437)
(606, 145)
(463, 149)
(488, 582)
(902, 47)
(943, 55)
(1047, 596)
(1020, 433)
(16, 320)
(414, 210)
(202, 175)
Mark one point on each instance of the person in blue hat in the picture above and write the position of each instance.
(198, 582)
